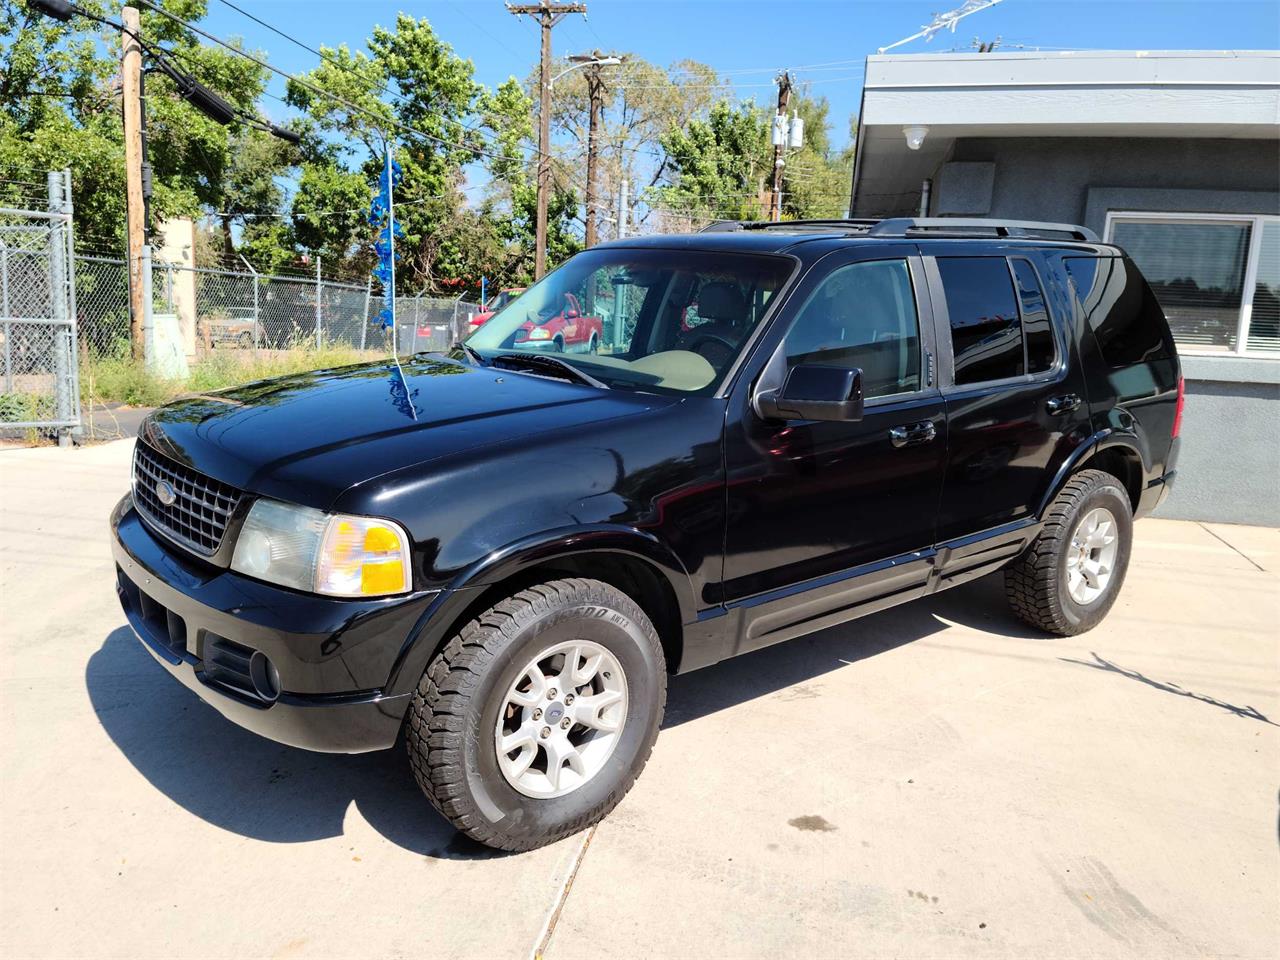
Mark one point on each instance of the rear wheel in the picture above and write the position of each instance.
(1066, 581)
(536, 718)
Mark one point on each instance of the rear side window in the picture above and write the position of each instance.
(986, 340)
(1036, 332)
(1121, 310)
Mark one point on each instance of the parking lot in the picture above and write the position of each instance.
(933, 781)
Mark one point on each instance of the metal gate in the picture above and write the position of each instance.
(38, 316)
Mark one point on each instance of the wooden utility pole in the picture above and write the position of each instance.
(548, 14)
(779, 145)
(595, 91)
(135, 218)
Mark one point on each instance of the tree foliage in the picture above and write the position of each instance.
(468, 200)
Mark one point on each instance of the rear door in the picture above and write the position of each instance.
(1010, 377)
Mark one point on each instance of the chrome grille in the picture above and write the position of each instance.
(197, 517)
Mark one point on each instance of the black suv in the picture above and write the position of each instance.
(503, 552)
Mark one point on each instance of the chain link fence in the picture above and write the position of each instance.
(38, 317)
(229, 310)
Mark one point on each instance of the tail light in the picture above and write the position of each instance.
(1177, 413)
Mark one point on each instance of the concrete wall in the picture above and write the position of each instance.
(1051, 178)
(1229, 461)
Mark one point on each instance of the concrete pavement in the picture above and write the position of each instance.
(936, 780)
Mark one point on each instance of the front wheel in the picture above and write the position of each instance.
(535, 719)
(1066, 581)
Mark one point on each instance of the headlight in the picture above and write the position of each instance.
(539, 333)
(329, 553)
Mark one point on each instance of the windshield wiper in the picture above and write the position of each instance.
(549, 364)
(472, 352)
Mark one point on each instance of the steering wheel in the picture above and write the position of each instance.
(722, 347)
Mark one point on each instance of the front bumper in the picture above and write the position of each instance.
(331, 657)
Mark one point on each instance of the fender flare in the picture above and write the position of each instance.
(1105, 439)
(429, 632)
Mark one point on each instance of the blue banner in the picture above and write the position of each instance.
(380, 215)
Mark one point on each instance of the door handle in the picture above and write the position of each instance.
(1063, 404)
(910, 434)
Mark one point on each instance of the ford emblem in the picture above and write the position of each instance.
(164, 493)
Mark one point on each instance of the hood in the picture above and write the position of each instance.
(307, 437)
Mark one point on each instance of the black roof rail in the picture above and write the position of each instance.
(726, 226)
(959, 226)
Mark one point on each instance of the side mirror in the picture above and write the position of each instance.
(814, 392)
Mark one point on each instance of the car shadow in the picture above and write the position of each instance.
(980, 605)
(245, 783)
(263, 790)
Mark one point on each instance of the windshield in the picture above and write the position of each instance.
(666, 321)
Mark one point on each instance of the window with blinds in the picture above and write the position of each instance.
(1216, 278)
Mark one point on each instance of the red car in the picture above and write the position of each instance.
(477, 319)
(566, 331)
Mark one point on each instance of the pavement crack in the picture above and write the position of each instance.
(1232, 546)
(553, 918)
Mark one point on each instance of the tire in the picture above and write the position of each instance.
(594, 346)
(1038, 583)
(558, 343)
(246, 341)
(454, 715)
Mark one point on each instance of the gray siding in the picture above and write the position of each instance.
(1052, 178)
(1229, 459)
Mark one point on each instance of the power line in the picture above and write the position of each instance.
(371, 83)
(382, 121)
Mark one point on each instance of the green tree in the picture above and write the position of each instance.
(58, 109)
(718, 164)
(437, 95)
(642, 101)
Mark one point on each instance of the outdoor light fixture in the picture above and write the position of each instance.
(915, 135)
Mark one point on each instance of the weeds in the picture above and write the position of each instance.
(123, 379)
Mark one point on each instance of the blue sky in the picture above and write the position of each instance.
(753, 39)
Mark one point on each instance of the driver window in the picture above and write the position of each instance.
(862, 315)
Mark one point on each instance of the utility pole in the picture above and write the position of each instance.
(548, 14)
(135, 219)
(779, 144)
(595, 91)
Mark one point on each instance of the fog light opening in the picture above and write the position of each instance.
(264, 676)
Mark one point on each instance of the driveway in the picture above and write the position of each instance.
(936, 780)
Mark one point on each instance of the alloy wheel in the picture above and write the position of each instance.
(561, 719)
(1091, 555)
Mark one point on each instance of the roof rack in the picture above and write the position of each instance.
(957, 226)
(727, 226)
(938, 226)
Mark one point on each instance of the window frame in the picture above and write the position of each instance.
(1253, 256)
(942, 319)
(822, 270)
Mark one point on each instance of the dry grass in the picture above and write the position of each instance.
(125, 380)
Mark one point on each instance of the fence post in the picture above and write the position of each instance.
(455, 335)
(73, 326)
(4, 305)
(417, 313)
(318, 339)
(256, 325)
(62, 400)
(148, 308)
(364, 327)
